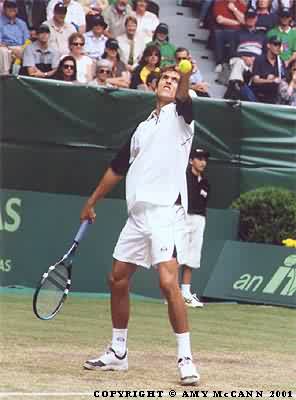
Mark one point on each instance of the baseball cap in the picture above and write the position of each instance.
(98, 20)
(112, 44)
(162, 28)
(60, 8)
(9, 4)
(251, 12)
(285, 12)
(274, 39)
(43, 28)
(199, 153)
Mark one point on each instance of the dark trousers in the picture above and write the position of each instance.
(224, 45)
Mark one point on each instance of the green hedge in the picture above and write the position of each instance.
(267, 215)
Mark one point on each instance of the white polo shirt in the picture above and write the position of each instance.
(158, 156)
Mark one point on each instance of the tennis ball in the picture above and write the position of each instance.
(185, 66)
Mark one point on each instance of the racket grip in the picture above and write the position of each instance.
(82, 230)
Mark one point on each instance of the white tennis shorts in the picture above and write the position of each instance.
(151, 234)
(195, 227)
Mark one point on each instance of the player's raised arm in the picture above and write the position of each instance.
(184, 85)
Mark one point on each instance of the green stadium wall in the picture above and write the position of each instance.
(57, 139)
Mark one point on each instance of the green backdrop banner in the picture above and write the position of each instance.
(59, 138)
(36, 229)
(254, 273)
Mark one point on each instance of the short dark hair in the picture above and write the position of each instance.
(179, 49)
(163, 70)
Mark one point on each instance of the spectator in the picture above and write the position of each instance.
(103, 73)
(204, 11)
(115, 16)
(266, 18)
(75, 13)
(131, 44)
(66, 70)
(268, 71)
(151, 81)
(273, 5)
(196, 80)
(60, 31)
(84, 64)
(287, 88)
(167, 49)
(94, 7)
(149, 62)
(229, 16)
(95, 39)
(13, 35)
(248, 35)
(240, 75)
(33, 12)
(286, 34)
(39, 60)
(120, 77)
(147, 21)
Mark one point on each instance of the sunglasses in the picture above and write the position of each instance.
(77, 44)
(68, 66)
(181, 58)
(104, 71)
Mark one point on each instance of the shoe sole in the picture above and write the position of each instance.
(191, 306)
(190, 380)
(106, 367)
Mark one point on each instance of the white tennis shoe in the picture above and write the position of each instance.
(188, 372)
(109, 361)
(192, 301)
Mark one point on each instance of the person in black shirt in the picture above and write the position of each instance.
(198, 194)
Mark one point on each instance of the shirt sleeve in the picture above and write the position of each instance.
(184, 109)
(28, 57)
(121, 162)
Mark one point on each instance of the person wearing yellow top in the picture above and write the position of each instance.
(149, 62)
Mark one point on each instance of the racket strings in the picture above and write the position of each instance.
(52, 291)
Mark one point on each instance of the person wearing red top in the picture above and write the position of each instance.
(229, 17)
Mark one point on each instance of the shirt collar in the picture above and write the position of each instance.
(91, 35)
(7, 21)
(287, 31)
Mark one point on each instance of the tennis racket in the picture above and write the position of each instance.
(54, 286)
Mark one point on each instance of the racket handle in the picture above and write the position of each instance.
(82, 230)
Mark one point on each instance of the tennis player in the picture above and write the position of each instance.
(198, 196)
(154, 162)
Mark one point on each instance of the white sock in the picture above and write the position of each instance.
(183, 345)
(119, 341)
(186, 290)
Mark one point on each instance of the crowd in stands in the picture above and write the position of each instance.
(123, 44)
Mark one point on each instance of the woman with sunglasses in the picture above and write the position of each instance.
(103, 73)
(149, 63)
(85, 65)
(287, 87)
(120, 77)
(66, 70)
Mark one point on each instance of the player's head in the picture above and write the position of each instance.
(167, 85)
(199, 159)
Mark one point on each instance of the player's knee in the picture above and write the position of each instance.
(168, 285)
(118, 283)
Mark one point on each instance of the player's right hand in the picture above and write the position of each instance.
(88, 212)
